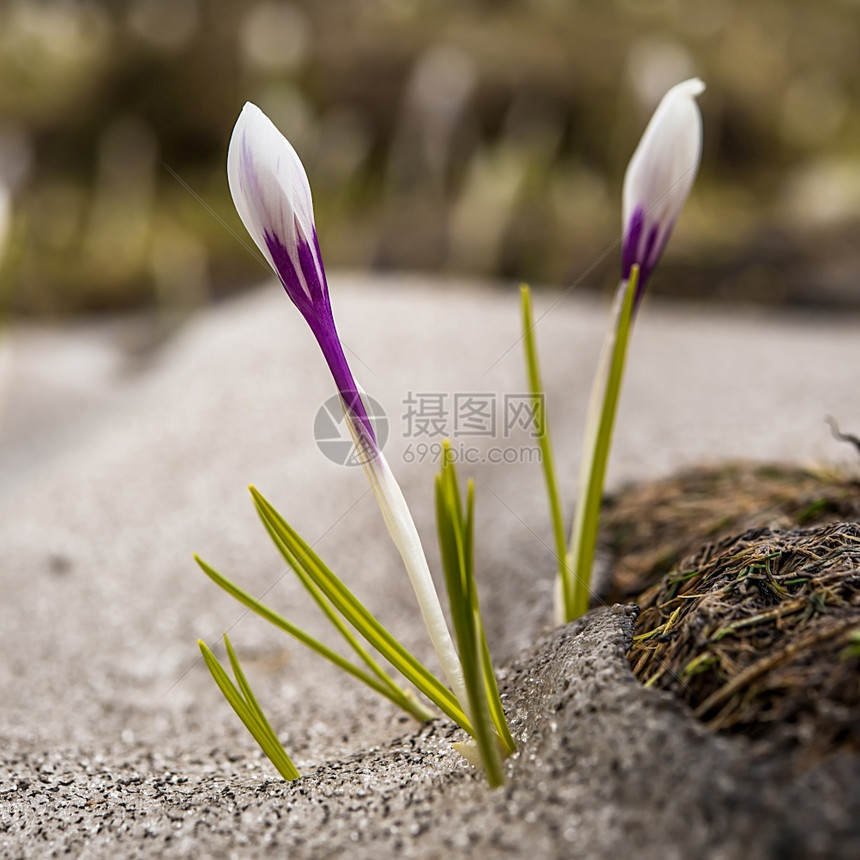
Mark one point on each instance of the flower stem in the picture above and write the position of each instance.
(595, 452)
(401, 528)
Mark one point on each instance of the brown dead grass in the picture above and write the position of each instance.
(749, 617)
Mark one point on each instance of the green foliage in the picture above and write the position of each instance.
(543, 437)
(483, 717)
(575, 563)
(378, 681)
(456, 541)
(852, 649)
(595, 451)
(244, 703)
(299, 555)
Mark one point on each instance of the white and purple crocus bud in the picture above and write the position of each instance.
(273, 198)
(659, 178)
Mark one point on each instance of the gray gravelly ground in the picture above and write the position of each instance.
(115, 466)
(606, 767)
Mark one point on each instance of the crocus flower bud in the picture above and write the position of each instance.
(659, 178)
(273, 198)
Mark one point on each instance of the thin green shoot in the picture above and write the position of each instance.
(600, 421)
(298, 554)
(852, 649)
(494, 699)
(545, 444)
(400, 697)
(449, 520)
(422, 714)
(244, 703)
(481, 716)
(456, 542)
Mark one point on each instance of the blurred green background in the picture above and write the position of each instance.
(453, 136)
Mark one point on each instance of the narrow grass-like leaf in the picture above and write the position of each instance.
(457, 580)
(595, 452)
(544, 442)
(400, 697)
(251, 717)
(335, 619)
(298, 554)
(494, 700)
(455, 543)
(251, 701)
(244, 686)
(248, 710)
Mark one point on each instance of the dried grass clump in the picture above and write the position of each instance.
(649, 528)
(760, 634)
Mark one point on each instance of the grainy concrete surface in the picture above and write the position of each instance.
(607, 769)
(116, 465)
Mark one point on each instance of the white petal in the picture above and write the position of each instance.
(664, 165)
(268, 182)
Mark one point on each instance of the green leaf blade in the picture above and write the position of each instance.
(296, 552)
(538, 396)
(249, 712)
(600, 423)
(391, 691)
(455, 542)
